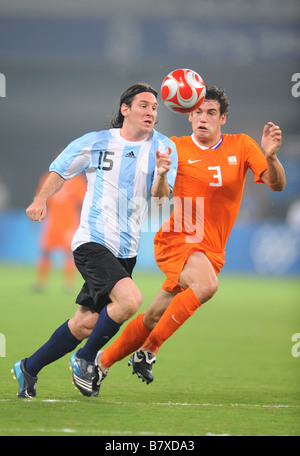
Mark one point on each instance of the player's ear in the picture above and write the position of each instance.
(223, 119)
(124, 109)
(191, 116)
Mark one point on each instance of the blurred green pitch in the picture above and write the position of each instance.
(228, 371)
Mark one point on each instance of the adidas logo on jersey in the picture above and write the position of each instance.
(130, 154)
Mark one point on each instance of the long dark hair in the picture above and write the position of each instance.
(127, 97)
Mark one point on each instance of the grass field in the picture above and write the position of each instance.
(228, 371)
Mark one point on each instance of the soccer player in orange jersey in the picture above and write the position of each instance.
(190, 249)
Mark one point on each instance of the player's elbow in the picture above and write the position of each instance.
(276, 181)
(278, 186)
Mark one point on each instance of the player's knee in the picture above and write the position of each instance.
(79, 330)
(133, 304)
(83, 331)
(204, 292)
(81, 325)
(150, 320)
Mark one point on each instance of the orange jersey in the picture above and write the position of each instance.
(207, 196)
(63, 213)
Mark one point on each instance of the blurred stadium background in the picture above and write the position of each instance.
(66, 63)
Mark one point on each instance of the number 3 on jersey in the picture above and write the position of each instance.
(217, 176)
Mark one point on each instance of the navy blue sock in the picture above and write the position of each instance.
(60, 343)
(104, 330)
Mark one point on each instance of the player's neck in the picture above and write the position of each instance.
(207, 143)
(132, 135)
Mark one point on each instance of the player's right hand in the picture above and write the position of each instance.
(163, 161)
(36, 211)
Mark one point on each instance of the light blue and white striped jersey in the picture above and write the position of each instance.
(119, 175)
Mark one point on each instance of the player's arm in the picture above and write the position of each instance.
(37, 210)
(160, 187)
(274, 175)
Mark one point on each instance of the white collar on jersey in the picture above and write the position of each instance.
(215, 146)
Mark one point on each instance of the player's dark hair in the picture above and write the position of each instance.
(215, 93)
(126, 98)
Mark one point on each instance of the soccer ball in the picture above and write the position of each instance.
(183, 91)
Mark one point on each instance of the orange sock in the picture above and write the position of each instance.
(182, 307)
(132, 337)
(69, 272)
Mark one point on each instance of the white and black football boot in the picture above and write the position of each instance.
(142, 362)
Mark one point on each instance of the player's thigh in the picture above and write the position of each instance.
(199, 275)
(157, 308)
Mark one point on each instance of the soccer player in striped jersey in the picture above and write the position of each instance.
(190, 249)
(124, 166)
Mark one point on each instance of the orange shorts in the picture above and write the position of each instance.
(172, 252)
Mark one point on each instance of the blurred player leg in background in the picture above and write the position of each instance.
(43, 270)
(57, 232)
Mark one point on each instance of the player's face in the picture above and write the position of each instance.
(207, 121)
(139, 118)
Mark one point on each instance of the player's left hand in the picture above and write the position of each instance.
(163, 161)
(271, 139)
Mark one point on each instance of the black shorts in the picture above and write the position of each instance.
(101, 270)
